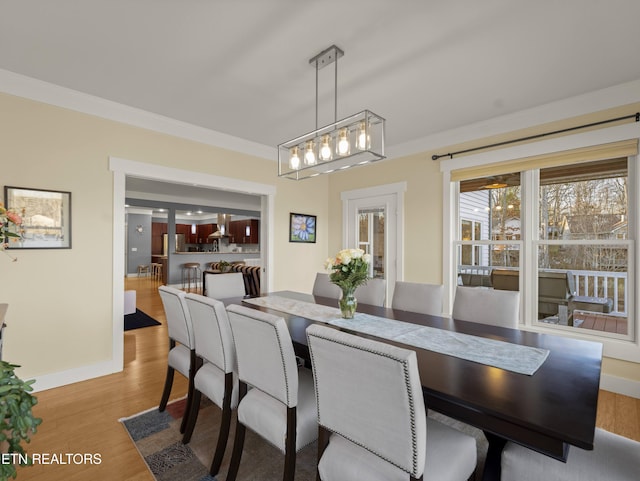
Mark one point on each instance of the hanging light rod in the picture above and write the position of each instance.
(349, 142)
(635, 116)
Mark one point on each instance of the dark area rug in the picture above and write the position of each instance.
(157, 437)
(137, 320)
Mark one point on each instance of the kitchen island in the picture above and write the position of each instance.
(177, 259)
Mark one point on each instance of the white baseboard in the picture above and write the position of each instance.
(620, 385)
(62, 378)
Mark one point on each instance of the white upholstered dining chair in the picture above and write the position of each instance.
(374, 292)
(614, 458)
(224, 286)
(215, 371)
(323, 287)
(371, 410)
(182, 354)
(487, 306)
(418, 297)
(281, 405)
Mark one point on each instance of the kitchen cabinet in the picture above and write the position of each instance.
(201, 234)
(157, 229)
(203, 231)
(238, 230)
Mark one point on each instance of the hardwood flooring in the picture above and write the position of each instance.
(83, 417)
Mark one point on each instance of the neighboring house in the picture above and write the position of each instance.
(588, 226)
(474, 225)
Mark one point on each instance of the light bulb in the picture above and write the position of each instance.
(309, 154)
(325, 148)
(364, 141)
(294, 160)
(343, 142)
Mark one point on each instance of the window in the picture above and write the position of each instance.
(371, 238)
(583, 232)
(486, 241)
(471, 230)
(574, 258)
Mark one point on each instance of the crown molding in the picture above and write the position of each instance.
(38, 90)
(45, 92)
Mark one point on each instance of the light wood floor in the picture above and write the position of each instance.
(83, 417)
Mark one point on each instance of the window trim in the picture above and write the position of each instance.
(628, 350)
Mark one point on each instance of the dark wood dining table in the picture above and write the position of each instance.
(548, 412)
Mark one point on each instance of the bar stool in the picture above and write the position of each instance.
(191, 272)
(143, 269)
(156, 271)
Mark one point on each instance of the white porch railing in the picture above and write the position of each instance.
(613, 285)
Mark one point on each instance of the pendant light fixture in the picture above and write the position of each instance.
(354, 140)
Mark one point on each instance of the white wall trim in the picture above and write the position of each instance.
(376, 190)
(396, 189)
(620, 385)
(62, 378)
(33, 89)
(171, 174)
(611, 97)
(569, 142)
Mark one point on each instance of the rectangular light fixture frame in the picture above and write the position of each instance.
(371, 150)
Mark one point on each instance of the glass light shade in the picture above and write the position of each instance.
(294, 160)
(325, 148)
(309, 154)
(247, 231)
(343, 146)
(363, 139)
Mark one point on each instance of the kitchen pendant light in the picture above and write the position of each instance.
(354, 140)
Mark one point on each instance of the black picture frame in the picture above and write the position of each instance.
(46, 217)
(302, 228)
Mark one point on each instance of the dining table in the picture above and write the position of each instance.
(548, 411)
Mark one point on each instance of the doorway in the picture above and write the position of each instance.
(122, 168)
(373, 222)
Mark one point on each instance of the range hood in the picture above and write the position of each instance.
(223, 227)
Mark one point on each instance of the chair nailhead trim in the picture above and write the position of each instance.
(405, 366)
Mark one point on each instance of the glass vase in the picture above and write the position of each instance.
(348, 303)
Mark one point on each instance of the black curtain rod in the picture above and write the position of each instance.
(635, 116)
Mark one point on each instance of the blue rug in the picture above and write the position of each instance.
(137, 320)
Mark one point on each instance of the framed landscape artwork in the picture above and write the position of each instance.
(302, 228)
(46, 217)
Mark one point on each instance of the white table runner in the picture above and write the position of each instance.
(500, 354)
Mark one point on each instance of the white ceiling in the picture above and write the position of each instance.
(240, 67)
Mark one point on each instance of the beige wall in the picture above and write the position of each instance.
(60, 314)
(422, 210)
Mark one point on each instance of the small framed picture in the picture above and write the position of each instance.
(302, 228)
(45, 218)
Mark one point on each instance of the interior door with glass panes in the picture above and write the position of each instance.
(370, 222)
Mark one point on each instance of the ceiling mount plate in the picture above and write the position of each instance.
(326, 57)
